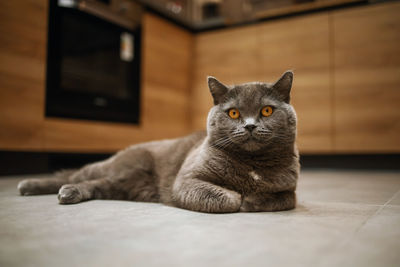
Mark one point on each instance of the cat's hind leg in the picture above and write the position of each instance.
(42, 186)
(51, 185)
(127, 176)
(139, 186)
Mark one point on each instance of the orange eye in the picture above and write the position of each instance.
(233, 113)
(266, 111)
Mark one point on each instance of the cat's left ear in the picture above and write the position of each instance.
(217, 89)
(283, 86)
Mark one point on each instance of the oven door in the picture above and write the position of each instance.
(93, 67)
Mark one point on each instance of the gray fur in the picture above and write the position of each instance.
(230, 168)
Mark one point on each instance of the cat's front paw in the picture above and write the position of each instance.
(234, 201)
(248, 205)
(69, 194)
(28, 187)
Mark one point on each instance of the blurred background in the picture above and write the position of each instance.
(80, 80)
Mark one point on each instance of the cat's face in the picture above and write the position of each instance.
(251, 116)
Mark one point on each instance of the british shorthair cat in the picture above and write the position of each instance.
(246, 160)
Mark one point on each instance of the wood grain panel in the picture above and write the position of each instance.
(302, 44)
(168, 52)
(21, 116)
(229, 55)
(23, 29)
(367, 79)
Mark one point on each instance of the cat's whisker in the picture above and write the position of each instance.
(222, 142)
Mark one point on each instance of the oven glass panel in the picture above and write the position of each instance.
(93, 67)
(92, 56)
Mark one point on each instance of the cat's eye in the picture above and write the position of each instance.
(233, 113)
(267, 111)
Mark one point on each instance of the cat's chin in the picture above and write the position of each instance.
(251, 145)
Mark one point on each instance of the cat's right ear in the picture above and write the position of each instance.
(283, 86)
(217, 89)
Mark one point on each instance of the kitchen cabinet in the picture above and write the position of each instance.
(347, 74)
(164, 98)
(166, 60)
(346, 87)
(231, 56)
(302, 44)
(23, 28)
(367, 79)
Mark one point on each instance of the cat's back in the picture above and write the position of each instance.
(168, 155)
(163, 157)
(172, 151)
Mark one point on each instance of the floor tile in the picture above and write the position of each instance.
(372, 187)
(376, 243)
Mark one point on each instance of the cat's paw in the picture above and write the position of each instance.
(248, 204)
(234, 201)
(69, 194)
(27, 187)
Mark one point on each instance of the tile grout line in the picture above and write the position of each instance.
(381, 207)
(378, 211)
(393, 197)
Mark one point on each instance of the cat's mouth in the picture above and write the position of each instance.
(247, 141)
(251, 141)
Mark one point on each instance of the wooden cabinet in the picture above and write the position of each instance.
(347, 74)
(165, 92)
(23, 28)
(302, 44)
(229, 55)
(262, 53)
(367, 79)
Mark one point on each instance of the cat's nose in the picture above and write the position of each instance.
(250, 127)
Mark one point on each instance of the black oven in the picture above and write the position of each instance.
(93, 61)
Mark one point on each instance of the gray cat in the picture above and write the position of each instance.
(246, 161)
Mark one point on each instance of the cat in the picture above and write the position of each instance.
(247, 159)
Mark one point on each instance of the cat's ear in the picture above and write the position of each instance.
(283, 86)
(217, 89)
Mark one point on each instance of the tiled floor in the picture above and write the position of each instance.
(342, 219)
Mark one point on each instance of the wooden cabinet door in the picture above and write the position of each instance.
(231, 55)
(23, 28)
(367, 79)
(302, 44)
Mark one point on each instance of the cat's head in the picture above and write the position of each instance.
(251, 116)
